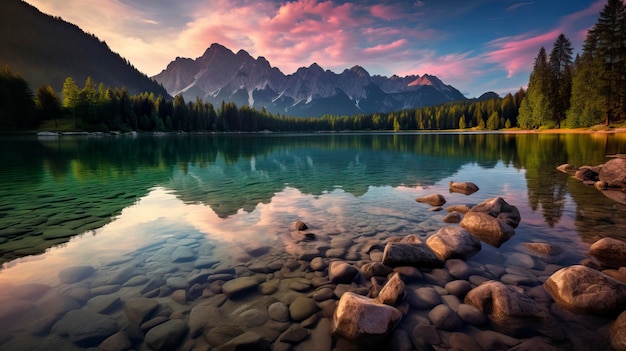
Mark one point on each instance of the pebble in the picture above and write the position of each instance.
(278, 311)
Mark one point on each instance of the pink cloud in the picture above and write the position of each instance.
(386, 12)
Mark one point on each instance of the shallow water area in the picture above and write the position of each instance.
(188, 242)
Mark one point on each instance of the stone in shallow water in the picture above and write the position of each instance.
(302, 308)
(182, 254)
(103, 303)
(139, 309)
(318, 264)
(453, 242)
(407, 254)
(392, 292)
(75, 274)
(433, 199)
(84, 328)
(512, 312)
(295, 335)
(166, 336)
(203, 317)
(177, 283)
(466, 188)
(358, 318)
(234, 287)
(443, 317)
(617, 332)
(278, 311)
(116, 342)
(609, 252)
(342, 272)
(585, 290)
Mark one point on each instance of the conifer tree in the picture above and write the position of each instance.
(561, 79)
(535, 108)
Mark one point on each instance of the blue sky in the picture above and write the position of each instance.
(475, 46)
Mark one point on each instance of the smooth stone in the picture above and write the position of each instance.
(409, 273)
(392, 291)
(453, 217)
(360, 317)
(278, 311)
(103, 303)
(400, 341)
(342, 272)
(75, 274)
(318, 264)
(234, 287)
(584, 290)
(443, 317)
(182, 254)
(424, 298)
(56, 303)
(458, 268)
(166, 336)
(609, 252)
(433, 199)
(202, 318)
(85, 328)
(138, 309)
(221, 334)
(123, 275)
(294, 336)
(269, 287)
(544, 249)
(453, 242)
(458, 287)
(521, 260)
(517, 280)
(566, 168)
(425, 334)
(512, 312)
(465, 188)
(299, 225)
(462, 209)
(136, 281)
(300, 284)
(487, 228)
(302, 308)
(471, 315)
(409, 254)
(205, 262)
(180, 296)
(177, 283)
(323, 294)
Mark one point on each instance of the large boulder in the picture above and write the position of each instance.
(361, 318)
(466, 188)
(587, 174)
(512, 312)
(613, 173)
(433, 199)
(609, 252)
(410, 254)
(492, 221)
(453, 242)
(582, 289)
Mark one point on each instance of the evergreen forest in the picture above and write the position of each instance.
(584, 91)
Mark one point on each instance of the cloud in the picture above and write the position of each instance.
(515, 6)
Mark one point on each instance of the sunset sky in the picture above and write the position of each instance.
(475, 46)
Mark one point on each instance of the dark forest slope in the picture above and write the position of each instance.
(46, 50)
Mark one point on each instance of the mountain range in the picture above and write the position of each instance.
(45, 50)
(222, 75)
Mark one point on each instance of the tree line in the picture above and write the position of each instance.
(587, 90)
(98, 108)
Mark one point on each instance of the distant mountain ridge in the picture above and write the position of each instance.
(221, 75)
(46, 50)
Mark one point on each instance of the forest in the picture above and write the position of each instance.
(584, 91)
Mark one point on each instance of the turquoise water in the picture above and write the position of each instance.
(123, 203)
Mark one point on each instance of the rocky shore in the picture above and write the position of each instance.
(335, 291)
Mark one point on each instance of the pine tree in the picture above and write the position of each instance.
(561, 79)
(535, 108)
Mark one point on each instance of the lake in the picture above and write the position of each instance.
(130, 233)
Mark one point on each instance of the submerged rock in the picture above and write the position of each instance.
(466, 188)
(609, 252)
(566, 168)
(166, 336)
(342, 272)
(234, 287)
(433, 200)
(299, 225)
(85, 328)
(511, 312)
(585, 290)
(360, 318)
(617, 332)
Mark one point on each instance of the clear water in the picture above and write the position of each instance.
(118, 202)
